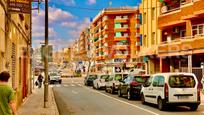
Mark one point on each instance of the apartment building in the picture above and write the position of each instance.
(116, 38)
(150, 35)
(182, 42)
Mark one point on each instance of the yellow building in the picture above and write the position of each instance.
(15, 43)
(182, 27)
(150, 35)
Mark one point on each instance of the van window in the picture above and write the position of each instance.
(158, 81)
(182, 81)
(148, 82)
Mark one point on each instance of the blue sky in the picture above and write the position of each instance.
(67, 18)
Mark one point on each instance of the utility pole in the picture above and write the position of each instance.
(46, 56)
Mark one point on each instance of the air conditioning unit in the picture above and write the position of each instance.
(176, 30)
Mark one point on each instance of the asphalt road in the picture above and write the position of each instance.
(73, 98)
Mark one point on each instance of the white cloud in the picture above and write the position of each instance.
(69, 24)
(75, 32)
(63, 43)
(90, 2)
(56, 15)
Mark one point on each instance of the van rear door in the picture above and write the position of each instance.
(182, 88)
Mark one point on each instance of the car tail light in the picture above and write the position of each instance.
(198, 92)
(166, 90)
(133, 83)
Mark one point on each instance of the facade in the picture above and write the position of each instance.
(115, 37)
(15, 44)
(150, 35)
(182, 42)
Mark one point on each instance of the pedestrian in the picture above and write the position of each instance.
(202, 82)
(40, 80)
(7, 96)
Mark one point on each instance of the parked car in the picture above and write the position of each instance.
(114, 81)
(132, 85)
(88, 81)
(172, 89)
(99, 83)
(54, 77)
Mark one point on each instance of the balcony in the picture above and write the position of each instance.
(119, 56)
(186, 9)
(121, 38)
(182, 46)
(122, 29)
(121, 20)
(121, 47)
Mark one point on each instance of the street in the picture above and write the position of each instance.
(73, 98)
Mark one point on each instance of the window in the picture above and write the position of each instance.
(153, 38)
(118, 34)
(158, 81)
(198, 29)
(117, 25)
(183, 33)
(125, 17)
(182, 81)
(148, 83)
(153, 13)
(144, 18)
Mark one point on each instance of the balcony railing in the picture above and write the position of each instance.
(176, 6)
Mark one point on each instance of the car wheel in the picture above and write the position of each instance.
(106, 89)
(143, 99)
(93, 86)
(60, 82)
(129, 96)
(112, 90)
(97, 87)
(161, 104)
(193, 107)
(119, 93)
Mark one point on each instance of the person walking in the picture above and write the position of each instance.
(7, 96)
(40, 80)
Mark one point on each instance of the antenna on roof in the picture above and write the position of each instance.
(110, 3)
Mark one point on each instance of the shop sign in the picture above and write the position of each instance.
(19, 6)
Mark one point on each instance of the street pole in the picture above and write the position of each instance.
(46, 56)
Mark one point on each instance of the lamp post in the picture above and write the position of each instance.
(46, 56)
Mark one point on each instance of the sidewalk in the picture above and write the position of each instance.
(34, 105)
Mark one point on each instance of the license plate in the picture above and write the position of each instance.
(183, 97)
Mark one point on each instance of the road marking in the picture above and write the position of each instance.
(58, 85)
(79, 84)
(65, 85)
(74, 92)
(124, 102)
(72, 85)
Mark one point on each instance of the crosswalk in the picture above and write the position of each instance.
(67, 85)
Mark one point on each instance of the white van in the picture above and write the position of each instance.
(172, 89)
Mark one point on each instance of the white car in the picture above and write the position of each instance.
(172, 89)
(100, 81)
(113, 82)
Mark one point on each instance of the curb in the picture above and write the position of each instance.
(54, 102)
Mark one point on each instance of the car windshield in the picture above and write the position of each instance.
(104, 76)
(118, 77)
(92, 76)
(54, 74)
(182, 81)
(139, 79)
